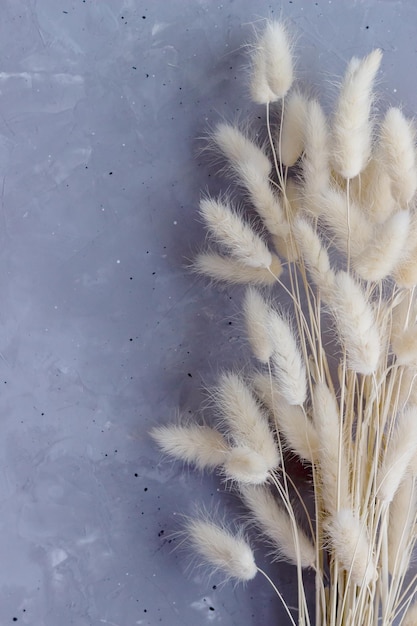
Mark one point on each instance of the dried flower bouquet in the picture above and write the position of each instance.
(337, 230)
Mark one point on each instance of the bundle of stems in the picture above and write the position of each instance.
(335, 380)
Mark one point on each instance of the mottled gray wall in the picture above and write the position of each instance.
(103, 332)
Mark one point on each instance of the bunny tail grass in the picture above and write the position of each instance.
(229, 229)
(352, 127)
(292, 131)
(319, 440)
(351, 545)
(334, 468)
(289, 368)
(245, 466)
(315, 162)
(315, 255)
(241, 153)
(356, 323)
(256, 312)
(380, 257)
(226, 269)
(244, 420)
(401, 448)
(231, 554)
(299, 432)
(401, 519)
(397, 140)
(200, 445)
(272, 64)
(289, 541)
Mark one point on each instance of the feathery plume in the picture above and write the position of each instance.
(246, 423)
(294, 197)
(403, 336)
(228, 553)
(245, 466)
(356, 324)
(289, 367)
(383, 253)
(299, 432)
(401, 447)
(404, 390)
(405, 273)
(260, 90)
(315, 255)
(284, 242)
(285, 247)
(291, 134)
(252, 167)
(272, 65)
(352, 128)
(404, 346)
(351, 545)
(334, 467)
(241, 152)
(315, 163)
(256, 313)
(397, 143)
(228, 228)
(355, 232)
(401, 521)
(290, 543)
(266, 203)
(373, 189)
(220, 268)
(203, 446)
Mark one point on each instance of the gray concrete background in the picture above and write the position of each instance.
(103, 333)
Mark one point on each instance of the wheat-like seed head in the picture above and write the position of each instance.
(226, 269)
(293, 128)
(401, 448)
(228, 228)
(219, 548)
(300, 434)
(203, 446)
(245, 466)
(245, 422)
(398, 150)
(352, 127)
(351, 545)
(288, 539)
(272, 64)
(290, 373)
(256, 313)
(315, 162)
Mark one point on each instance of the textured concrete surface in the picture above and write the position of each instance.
(103, 332)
